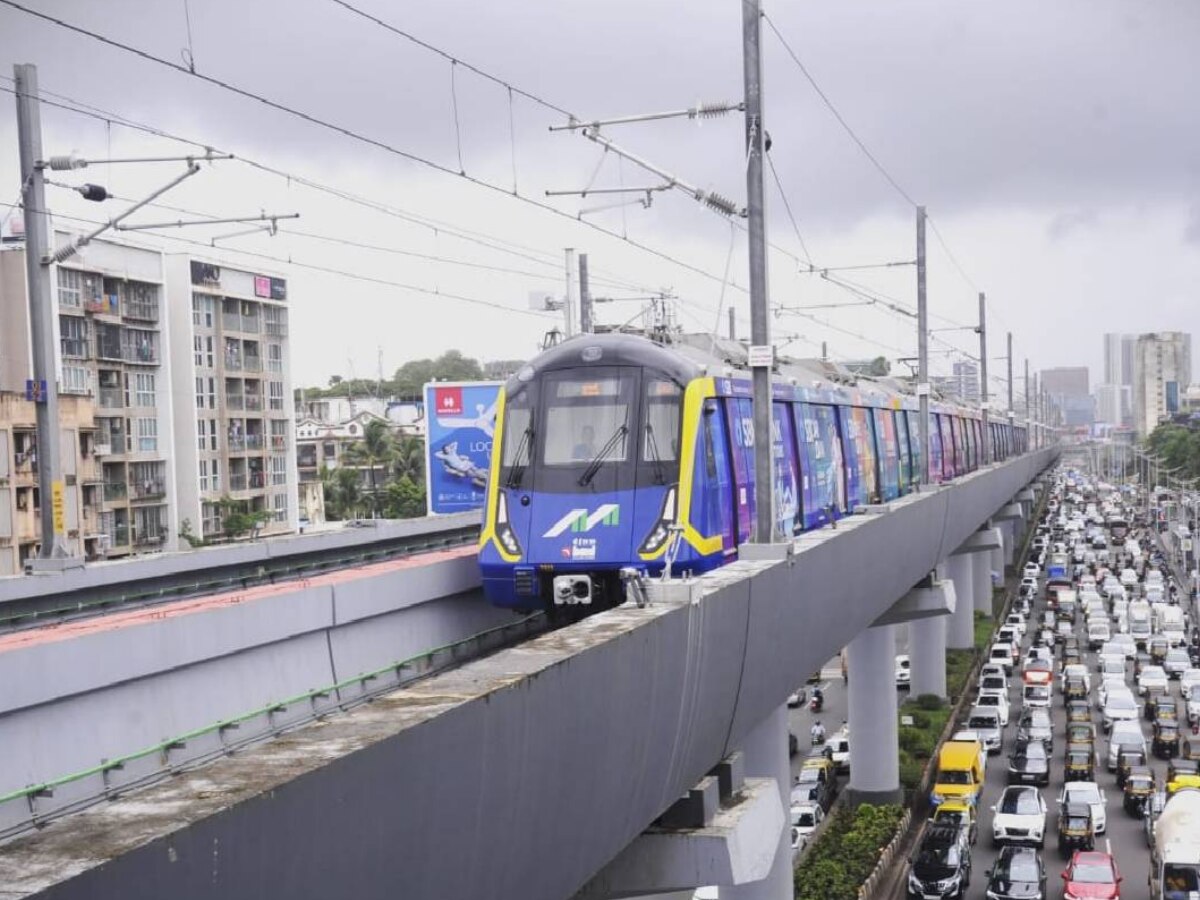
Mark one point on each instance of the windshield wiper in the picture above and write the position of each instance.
(594, 466)
(652, 446)
(518, 469)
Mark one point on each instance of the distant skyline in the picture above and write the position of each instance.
(1062, 185)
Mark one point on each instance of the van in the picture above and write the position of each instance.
(960, 772)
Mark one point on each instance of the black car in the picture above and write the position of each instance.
(942, 864)
(1029, 764)
(1017, 875)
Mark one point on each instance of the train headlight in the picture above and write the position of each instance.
(504, 533)
(661, 532)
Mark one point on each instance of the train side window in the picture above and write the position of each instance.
(710, 460)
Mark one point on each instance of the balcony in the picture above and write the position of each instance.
(235, 401)
(254, 402)
(237, 443)
(238, 481)
(258, 480)
(255, 441)
(89, 472)
(112, 398)
(252, 363)
(118, 536)
(148, 489)
(233, 362)
(141, 350)
(146, 310)
(277, 329)
(108, 346)
(114, 491)
(152, 538)
(243, 324)
(279, 442)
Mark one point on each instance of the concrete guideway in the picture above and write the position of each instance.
(523, 774)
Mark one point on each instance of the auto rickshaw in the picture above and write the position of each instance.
(1075, 829)
(1177, 767)
(958, 813)
(1157, 647)
(1139, 785)
(1152, 695)
(1160, 706)
(1081, 733)
(1074, 689)
(1080, 764)
(1166, 739)
(1079, 711)
(1071, 657)
(822, 766)
(1127, 758)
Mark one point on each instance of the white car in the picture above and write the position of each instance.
(1086, 792)
(1119, 706)
(1032, 570)
(1019, 817)
(1002, 654)
(1128, 578)
(1123, 734)
(997, 701)
(1016, 621)
(1193, 704)
(1189, 678)
(805, 819)
(903, 671)
(1151, 676)
(797, 697)
(1126, 643)
(1115, 665)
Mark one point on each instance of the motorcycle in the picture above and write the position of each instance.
(816, 704)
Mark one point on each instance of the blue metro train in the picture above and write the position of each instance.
(612, 451)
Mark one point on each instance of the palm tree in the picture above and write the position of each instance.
(377, 448)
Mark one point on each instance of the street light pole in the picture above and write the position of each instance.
(923, 352)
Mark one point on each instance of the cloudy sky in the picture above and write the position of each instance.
(1056, 146)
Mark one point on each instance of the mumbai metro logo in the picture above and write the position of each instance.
(449, 401)
(581, 521)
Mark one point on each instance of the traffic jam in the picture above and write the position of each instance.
(1077, 772)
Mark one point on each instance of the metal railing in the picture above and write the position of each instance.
(233, 362)
(236, 443)
(235, 401)
(114, 490)
(112, 398)
(254, 442)
(254, 402)
(148, 488)
(118, 536)
(171, 756)
(146, 310)
(237, 481)
(252, 363)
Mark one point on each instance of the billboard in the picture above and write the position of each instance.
(460, 419)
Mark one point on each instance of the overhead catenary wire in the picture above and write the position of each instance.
(357, 276)
(491, 242)
(356, 135)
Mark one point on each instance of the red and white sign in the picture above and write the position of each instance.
(449, 401)
(262, 286)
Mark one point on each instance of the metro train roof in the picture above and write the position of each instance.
(692, 356)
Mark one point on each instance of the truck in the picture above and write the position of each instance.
(1170, 623)
(1175, 854)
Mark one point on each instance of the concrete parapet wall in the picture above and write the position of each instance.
(76, 695)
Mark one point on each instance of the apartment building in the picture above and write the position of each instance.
(110, 328)
(1162, 372)
(231, 386)
(20, 503)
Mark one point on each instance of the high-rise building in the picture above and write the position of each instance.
(1162, 372)
(1118, 358)
(1068, 388)
(966, 377)
(1114, 403)
(110, 348)
(231, 383)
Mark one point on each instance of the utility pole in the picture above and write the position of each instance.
(569, 302)
(1009, 361)
(1026, 403)
(732, 324)
(983, 378)
(762, 353)
(923, 352)
(586, 323)
(54, 554)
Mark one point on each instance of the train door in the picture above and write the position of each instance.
(847, 434)
(868, 459)
(948, 448)
(904, 452)
(741, 448)
(917, 453)
(886, 453)
(786, 470)
(719, 491)
(936, 471)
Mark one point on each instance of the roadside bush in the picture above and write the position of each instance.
(929, 701)
(846, 852)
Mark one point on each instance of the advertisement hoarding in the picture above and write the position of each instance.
(460, 421)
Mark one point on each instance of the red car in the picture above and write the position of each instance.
(1091, 874)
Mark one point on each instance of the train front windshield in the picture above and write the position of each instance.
(592, 429)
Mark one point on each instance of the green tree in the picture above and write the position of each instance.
(343, 492)
(409, 459)
(879, 367)
(237, 519)
(404, 498)
(450, 366)
(375, 449)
